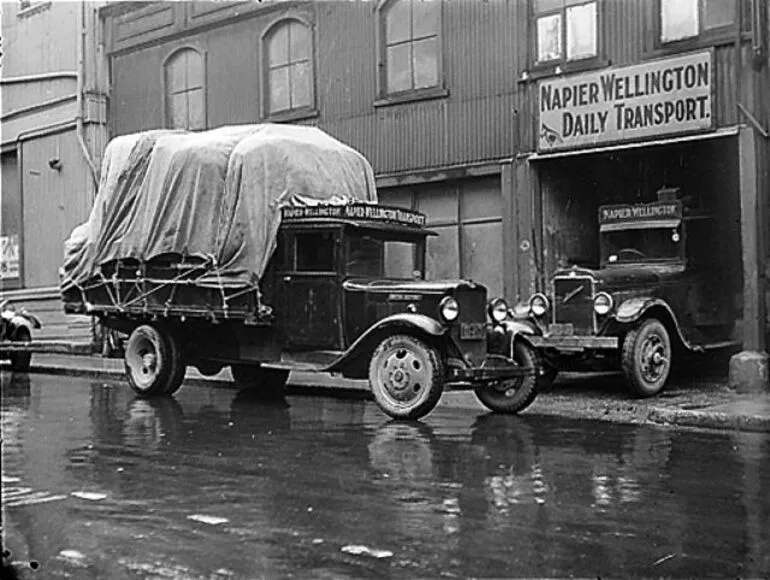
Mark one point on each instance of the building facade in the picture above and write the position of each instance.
(472, 112)
(54, 128)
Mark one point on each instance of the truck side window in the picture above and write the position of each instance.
(315, 252)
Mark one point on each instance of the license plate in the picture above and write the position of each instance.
(471, 330)
(561, 329)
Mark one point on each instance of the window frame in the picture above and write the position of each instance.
(164, 84)
(295, 114)
(384, 97)
(705, 38)
(563, 64)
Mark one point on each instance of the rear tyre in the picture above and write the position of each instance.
(20, 361)
(153, 361)
(268, 384)
(406, 377)
(513, 395)
(646, 358)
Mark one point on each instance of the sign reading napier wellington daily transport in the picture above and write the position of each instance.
(660, 97)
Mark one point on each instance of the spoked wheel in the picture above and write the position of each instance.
(406, 377)
(646, 358)
(153, 361)
(513, 395)
(20, 360)
(269, 384)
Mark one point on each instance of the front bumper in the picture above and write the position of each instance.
(494, 368)
(575, 343)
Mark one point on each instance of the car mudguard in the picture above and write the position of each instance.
(18, 322)
(367, 342)
(636, 308)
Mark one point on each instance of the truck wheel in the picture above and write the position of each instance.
(406, 377)
(513, 395)
(153, 361)
(20, 360)
(646, 357)
(269, 383)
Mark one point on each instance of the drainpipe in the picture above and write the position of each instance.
(80, 128)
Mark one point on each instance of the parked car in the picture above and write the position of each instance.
(655, 296)
(15, 329)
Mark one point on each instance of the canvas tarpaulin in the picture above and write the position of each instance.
(214, 195)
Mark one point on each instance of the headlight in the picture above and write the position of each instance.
(498, 309)
(449, 309)
(602, 303)
(538, 305)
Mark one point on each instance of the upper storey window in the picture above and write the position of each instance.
(683, 19)
(185, 90)
(411, 46)
(566, 30)
(288, 68)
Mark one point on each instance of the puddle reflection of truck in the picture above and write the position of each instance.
(262, 248)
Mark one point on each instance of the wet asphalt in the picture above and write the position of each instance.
(215, 484)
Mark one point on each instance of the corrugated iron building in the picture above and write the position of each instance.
(54, 128)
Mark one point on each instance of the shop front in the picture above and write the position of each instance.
(633, 135)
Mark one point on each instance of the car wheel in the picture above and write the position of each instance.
(20, 361)
(513, 395)
(406, 377)
(646, 358)
(269, 383)
(153, 361)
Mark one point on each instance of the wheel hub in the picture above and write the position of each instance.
(403, 375)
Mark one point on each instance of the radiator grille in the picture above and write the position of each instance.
(573, 303)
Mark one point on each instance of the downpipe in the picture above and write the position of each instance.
(79, 123)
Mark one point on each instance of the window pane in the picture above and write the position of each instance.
(718, 13)
(425, 18)
(678, 19)
(398, 22)
(482, 258)
(177, 111)
(299, 47)
(443, 255)
(399, 260)
(175, 74)
(399, 70)
(278, 46)
(196, 114)
(279, 89)
(194, 69)
(425, 60)
(549, 37)
(300, 85)
(581, 31)
(315, 252)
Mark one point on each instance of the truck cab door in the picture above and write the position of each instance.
(310, 291)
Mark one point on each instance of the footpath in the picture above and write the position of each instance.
(688, 401)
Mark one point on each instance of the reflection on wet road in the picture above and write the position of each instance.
(216, 485)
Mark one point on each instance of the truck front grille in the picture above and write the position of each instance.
(573, 303)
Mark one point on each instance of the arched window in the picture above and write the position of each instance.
(411, 45)
(184, 78)
(288, 69)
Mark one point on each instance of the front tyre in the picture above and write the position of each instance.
(153, 361)
(20, 360)
(646, 358)
(513, 395)
(406, 377)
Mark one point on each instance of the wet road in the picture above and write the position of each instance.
(215, 485)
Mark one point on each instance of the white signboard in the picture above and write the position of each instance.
(660, 97)
(9, 257)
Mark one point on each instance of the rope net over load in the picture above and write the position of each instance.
(186, 222)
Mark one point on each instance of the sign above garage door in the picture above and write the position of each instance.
(630, 103)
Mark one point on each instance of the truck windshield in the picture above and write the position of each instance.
(376, 257)
(650, 244)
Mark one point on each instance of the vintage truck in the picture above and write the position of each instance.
(203, 260)
(655, 297)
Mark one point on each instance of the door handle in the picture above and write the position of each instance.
(287, 278)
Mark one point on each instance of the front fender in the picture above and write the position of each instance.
(520, 327)
(18, 322)
(634, 308)
(367, 342)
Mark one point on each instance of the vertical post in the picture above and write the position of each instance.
(749, 368)
(510, 257)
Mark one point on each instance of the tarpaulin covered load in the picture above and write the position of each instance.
(214, 195)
